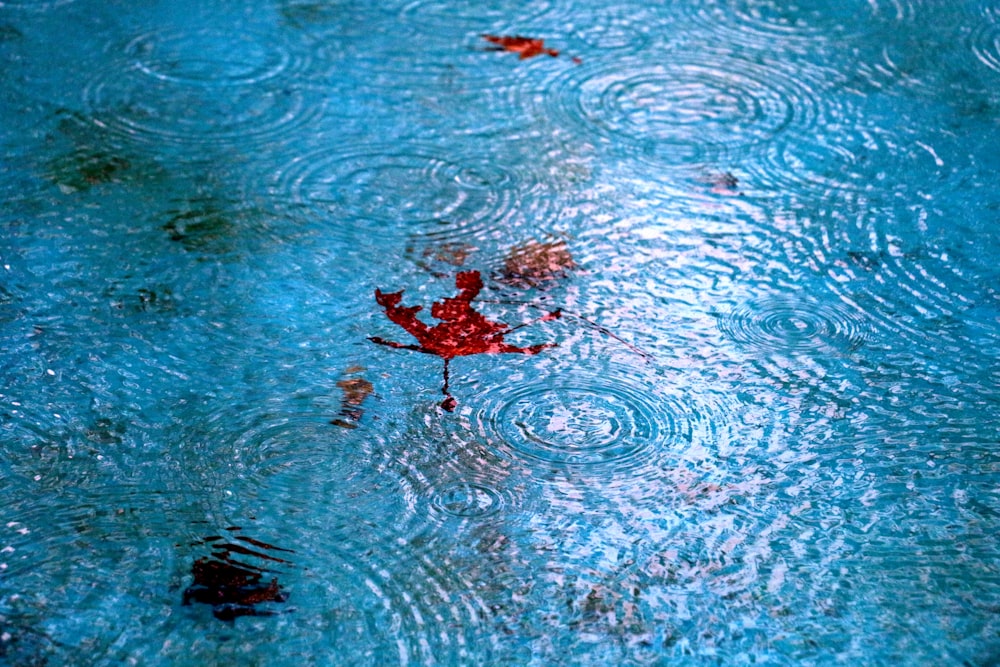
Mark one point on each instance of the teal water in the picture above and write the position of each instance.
(768, 433)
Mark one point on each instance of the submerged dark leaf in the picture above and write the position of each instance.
(85, 168)
(234, 588)
(262, 545)
(723, 183)
(229, 547)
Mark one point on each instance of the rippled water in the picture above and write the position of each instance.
(768, 433)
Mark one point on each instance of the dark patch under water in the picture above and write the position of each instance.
(233, 587)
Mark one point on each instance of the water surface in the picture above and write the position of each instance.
(768, 433)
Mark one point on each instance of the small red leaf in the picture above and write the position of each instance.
(528, 47)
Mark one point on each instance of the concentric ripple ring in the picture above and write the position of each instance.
(683, 109)
(203, 87)
(767, 23)
(986, 43)
(160, 109)
(468, 500)
(788, 324)
(207, 57)
(442, 15)
(582, 419)
(418, 186)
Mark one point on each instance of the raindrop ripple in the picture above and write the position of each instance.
(985, 40)
(468, 500)
(788, 324)
(440, 15)
(771, 23)
(34, 5)
(202, 87)
(209, 57)
(585, 419)
(687, 107)
(401, 189)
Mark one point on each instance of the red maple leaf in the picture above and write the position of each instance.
(528, 47)
(461, 331)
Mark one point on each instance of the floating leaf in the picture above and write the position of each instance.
(528, 47)
(462, 330)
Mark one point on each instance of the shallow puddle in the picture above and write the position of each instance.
(729, 392)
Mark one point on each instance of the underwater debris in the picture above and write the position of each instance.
(205, 224)
(302, 15)
(9, 33)
(232, 587)
(356, 390)
(85, 156)
(25, 646)
(462, 330)
(151, 299)
(105, 431)
(527, 47)
(534, 264)
(724, 183)
(439, 260)
(84, 168)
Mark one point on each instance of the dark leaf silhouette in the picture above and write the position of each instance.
(262, 545)
(461, 331)
(232, 587)
(527, 47)
(723, 183)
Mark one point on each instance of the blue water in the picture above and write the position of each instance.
(769, 433)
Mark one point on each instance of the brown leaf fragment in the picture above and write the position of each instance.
(536, 264)
(440, 259)
(355, 391)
